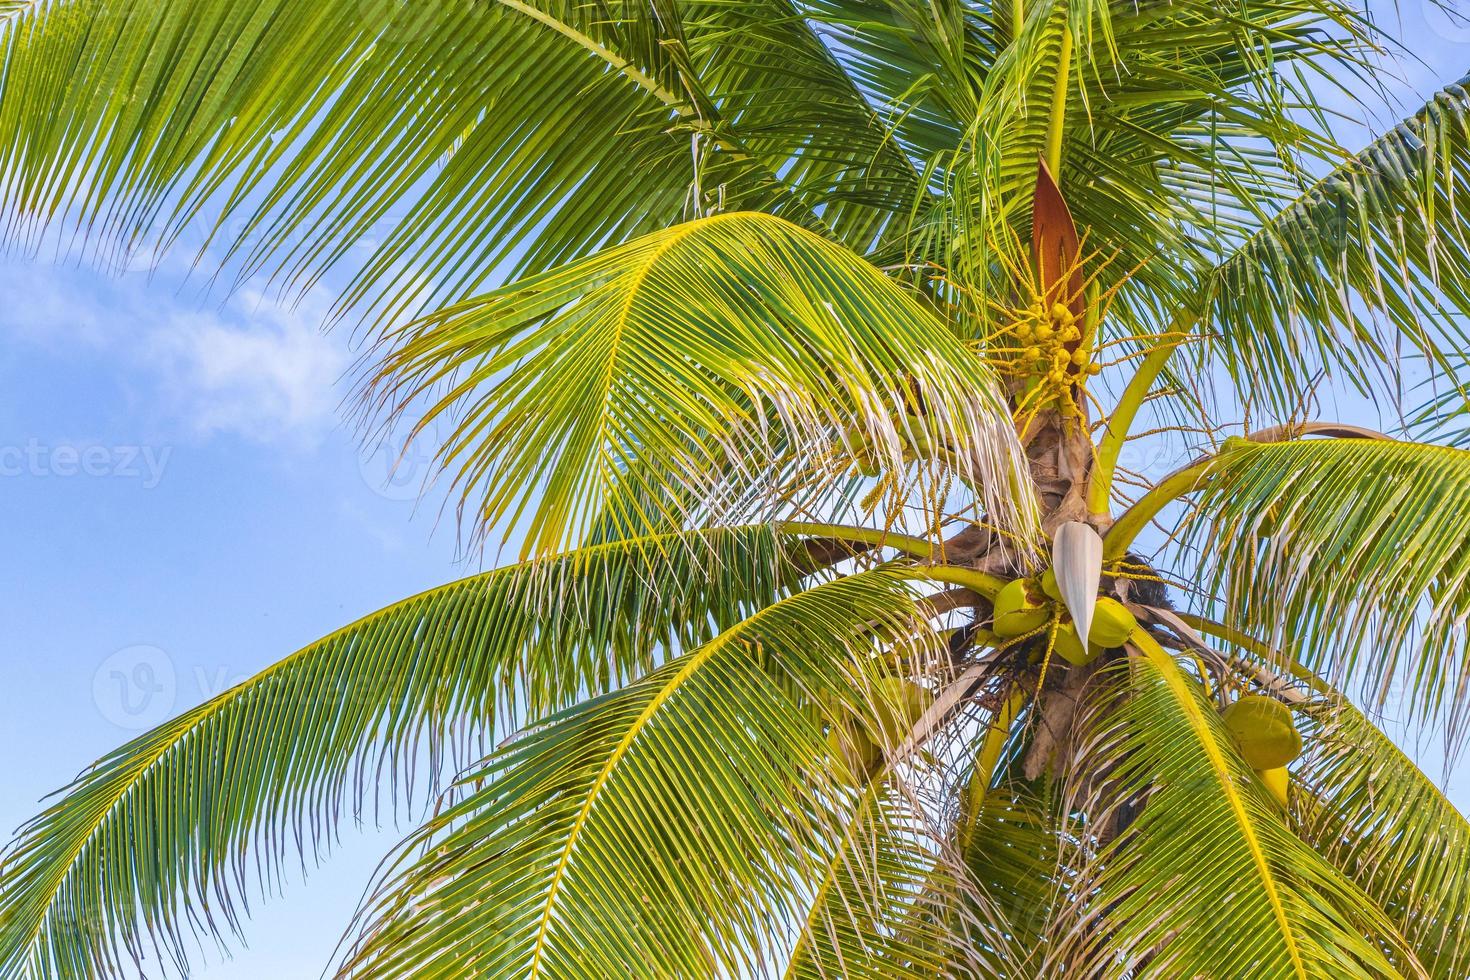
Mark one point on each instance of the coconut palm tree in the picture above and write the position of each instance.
(799, 344)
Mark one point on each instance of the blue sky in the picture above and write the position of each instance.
(183, 505)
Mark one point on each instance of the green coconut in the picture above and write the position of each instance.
(900, 705)
(1264, 731)
(1018, 610)
(851, 743)
(1112, 623)
(897, 706)
(1069, 646)
(1049, 584)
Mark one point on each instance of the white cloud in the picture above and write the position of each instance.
(248, 366)
(256, 369)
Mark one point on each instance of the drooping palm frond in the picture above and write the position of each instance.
(1014, 863)
(882, 906)
(1368, 265)
(1352, 551)
(155, 842)
(295, 132)
(682, 823)
(1370, 811)
(675, 373)
(1366, 807)
(1204, 877)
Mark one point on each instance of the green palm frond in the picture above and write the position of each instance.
(882, 906)
(1443, 413)
(1014, 863)
(1369, 261)
(661, 266)
(677, 372)
(1350, 550)
(553, 867)
(1370, 811)
(1366, 807)
(914, 61)
(155, 841)
(1182, 135)
(1205, 878)
(292, 132)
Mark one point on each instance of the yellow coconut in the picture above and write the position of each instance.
(1069, 646)
(1264, 731)
(1277, 782)
(1112, 623)
(1018, 610)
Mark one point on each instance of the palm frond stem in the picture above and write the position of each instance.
(876, 537)
(1193, 476)
(1120, 423)
(991, 746)
(984, 583)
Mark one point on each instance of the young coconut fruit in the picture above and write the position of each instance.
(1277, 783)
(1018, 610)
(1263, 730)
(1049, 584)
(898, 704)
(1112, 623)
(1069, 646)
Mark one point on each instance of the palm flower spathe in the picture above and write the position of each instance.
(799, 344)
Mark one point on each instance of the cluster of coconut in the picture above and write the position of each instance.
(1049, 346)
(1026, 606)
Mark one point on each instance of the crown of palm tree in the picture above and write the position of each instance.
(778, 331)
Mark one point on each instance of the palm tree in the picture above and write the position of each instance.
(799, 343)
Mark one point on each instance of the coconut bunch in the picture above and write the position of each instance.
(1033, 609)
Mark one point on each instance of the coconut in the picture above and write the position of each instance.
(900, 704)
(1277, 782)
(1069, 646)
(1049, 583)
(1112, 623)
(852, 744)
(1018, 610)
(897, 705)
(1264, 731)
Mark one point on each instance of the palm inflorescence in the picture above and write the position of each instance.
(798, 345)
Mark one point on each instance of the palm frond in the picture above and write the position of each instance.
(1366, 807)
(882, 906)
(1370, 811)
(1350, 550)
(674, 374)
(1204, 877)
(553, 867)
(155, 842)
(1014, 863)
(1368, 265)
(1183, 134)
(401, 141)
